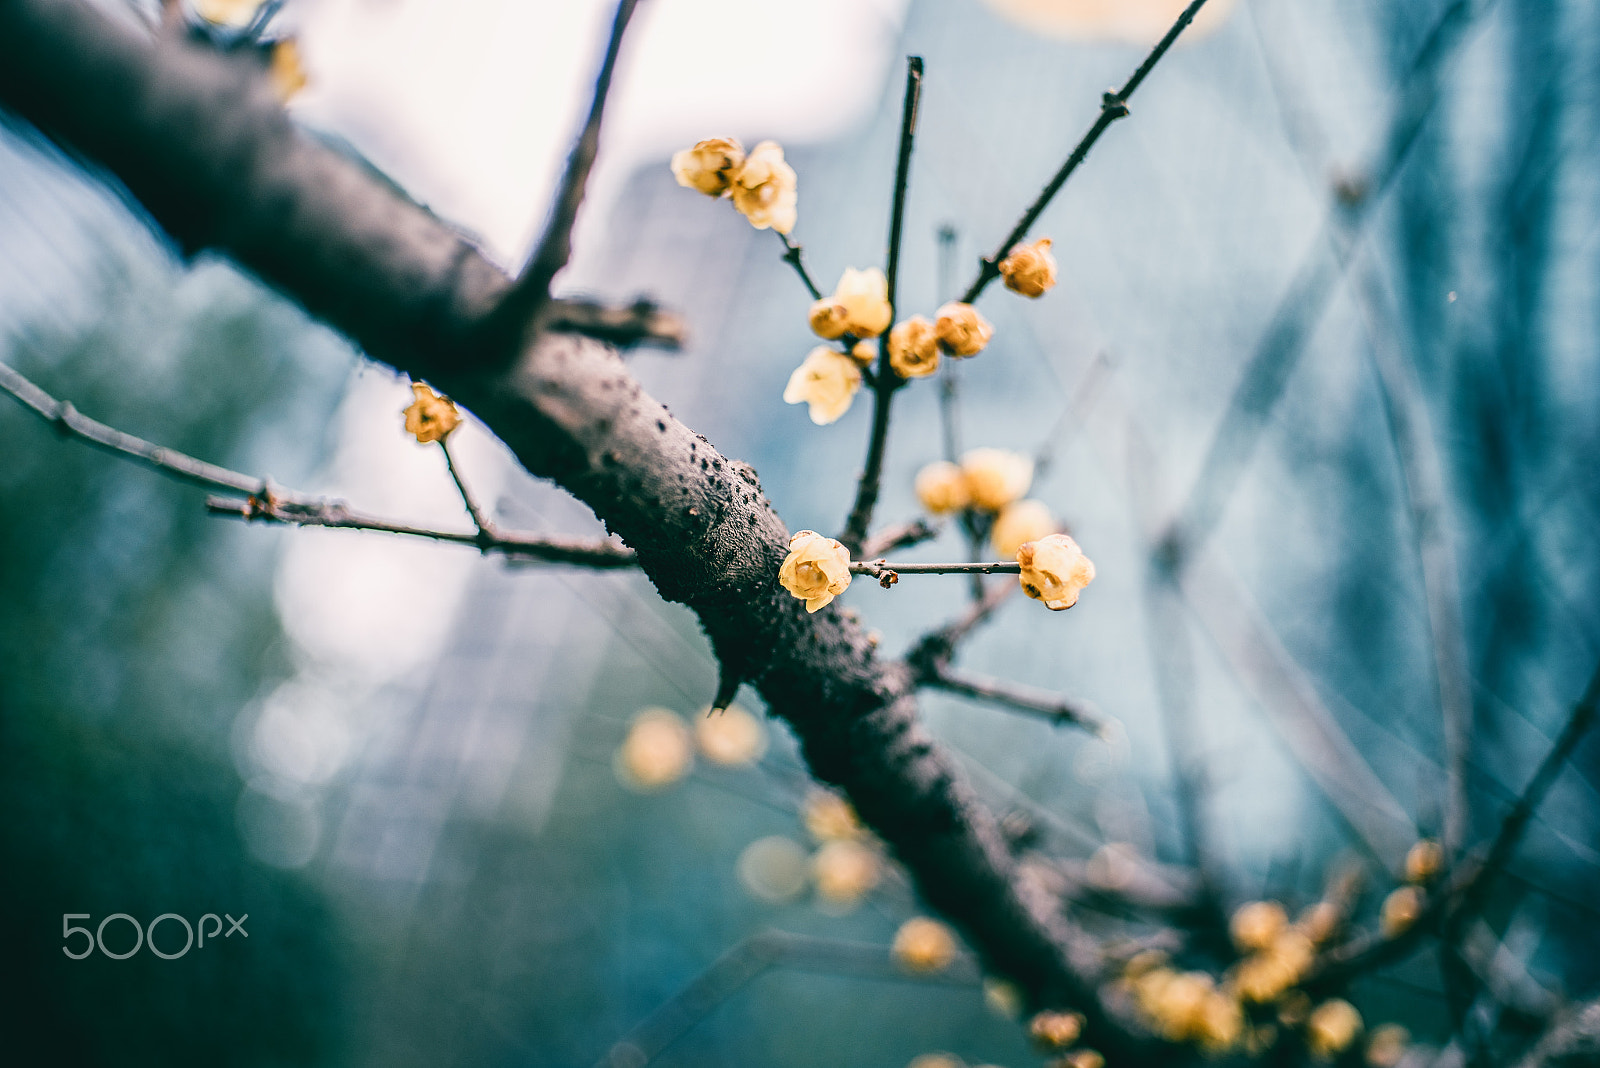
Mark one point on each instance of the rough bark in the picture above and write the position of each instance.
(202, 144)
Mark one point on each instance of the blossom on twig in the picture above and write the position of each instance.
(816, 570)
(913, 348)
(709, 166)
(827, 381)
(1030, 269)
(995, 477)
(962, 329)
(1054, 570)
(764, 189)
(430, 417)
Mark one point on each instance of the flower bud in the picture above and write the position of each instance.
(913, 348)
(827, 381)
(864, 352)
(1386, 1047)
(995, 477)
(430, 417)
(923, 945)
(1054, 570)
(961, 330)
(1332, 1027)
(829, 319)
(1018, 522)
(942, 487)
(764, 189)
(1400, 910)
(709, 166)
(1055, 1030)
(1423, 861)
(864, 295)
(1030, 269)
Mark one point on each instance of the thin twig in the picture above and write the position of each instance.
(1051, 706)
(887, 380)
(793, 255)
(888, 574)
(1113, 106)
(899, 536)
(479, 519)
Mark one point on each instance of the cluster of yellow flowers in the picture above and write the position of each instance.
(659, 748)
(1185, 1006)
(1402, 908)
(761, 185)
(847, 864)
(1056, 1031)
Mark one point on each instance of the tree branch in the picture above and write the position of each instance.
(793, 255)
(1053, 707)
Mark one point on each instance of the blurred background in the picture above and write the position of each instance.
(420, 772)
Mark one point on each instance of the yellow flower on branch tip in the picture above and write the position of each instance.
(1400, 910)
(709, 166)
(1030, 269)
(1386, 1046)
(942, 487)
(764, 189)
(923, 945)
(1423, 861)
(1018, 522)
(962, 331)
(430, 417)
(864, 297)
(864, 352)
(1054, 570)
(913, 348)
(816, 570)
(1055, 1030)
(1332, 1028)
(1257, 925)
(827, 380)
(995, 477)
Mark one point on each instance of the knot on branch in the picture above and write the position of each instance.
(1113, 105)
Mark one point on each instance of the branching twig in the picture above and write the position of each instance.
(639, 323)
(899, 536)
(1053, 707)
(1113, 106)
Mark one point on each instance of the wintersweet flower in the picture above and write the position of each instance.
(913, 348)
(430, 417)
(1054, 570)
(864, 352)
(961, 329)
(995, 477)
(1257, 924)
(764, 189)
(1030, 269)
(1332, 1027)
(1055, 1030)
(709, 166)
(829, 319)
(816, 570)
(942, 487)
(1400, 910)
(827, 381)
(923, 945)
(1423, 861)
(1018, 522)
(864, 296)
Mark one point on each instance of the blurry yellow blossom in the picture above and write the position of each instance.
(942, 487)
(936, 1060)
(995, 477)
(829, 319)
(1081, 1058)
(864, 352)
(1256, 925)
(1183, 1006)
(285, 69)
(732, 736)
(913, 348)
(763, 189)
(1054, 570)
(1332, 1027)
(816, 570)
(1265, 975)
(657, 751)
(845, 871)
(827, 381)
(1003, 998)
(961, 330)
(1423, 861)
(1018, 522)
(861, 303)
(828, 816)
(236, 14)
(709, 166)
(1137, 21)
(1055, 1030)
(773, 869)
(1030, 269)
(1386, 1046)
(1320, 922)
(923, 945)
(1219, 1026)
(430, 417)
(1400, 910)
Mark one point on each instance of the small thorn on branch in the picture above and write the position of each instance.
(728, 682)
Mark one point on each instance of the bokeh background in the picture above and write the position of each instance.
(400, 759)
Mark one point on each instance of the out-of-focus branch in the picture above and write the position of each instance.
(794, 256)
(1113, 106)
(640, 323)
(1074, 415)
(899, 536)
(1053, 707)
(1572, 1042)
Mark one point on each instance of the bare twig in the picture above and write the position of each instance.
(484, 524)
(1113, 106)
(1573, 1041)
(1053, 707)
(899, 536)
(887, 380)
(888, 574)
(793, 255)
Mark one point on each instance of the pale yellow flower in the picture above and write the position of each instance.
(1423, 861)
(942, 487)
(285, 70)
(1400, 910)
(923, 945)
(1054, 570)
(709, 166)
(864, 352)
(913, 348)
(827, 381)
(828, 817)
(657, 751)
(936, 1060)
(236, 14)
(1386, 1046)
(995, 477)
(1219, 1025)
(732, 736)
(1265, 975)
(864, 296)
(430, 417)
(773, 869)
(764, 189)
(1332, 1027)
(1082, 1058)
(845, 871)
(1030, 269)
(1055, 1030)
(961, 329)
(829, 319)
(816, 570)
(1257, 925)
(1018, 522)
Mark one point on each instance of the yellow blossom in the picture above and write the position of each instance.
(1265, 975)
(709, 166)
(923, 945)
(236, 14)
(1321, 921)
(935, 1060)
(732, 736)
(430, 417)
(773, 869)
(1423, 861)
(962, 331)
(828, 817)
(816, 570)
(1081, 1058)
(913, 348)
(285, 70)
(1002, 998)
(942, 487)
(845, 871)
(864, 296)
(1030, 269)
(1219, 1025)
(1400, 910)
(763, 189)
(1256, 925)
(656, 752)
(995, 477)
(1386, 1046)
(864, 352)
(1332, 1027)
(1054, 570)
(1018, 522)
(829, 319)
(827, 381)
(1055, 1030)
